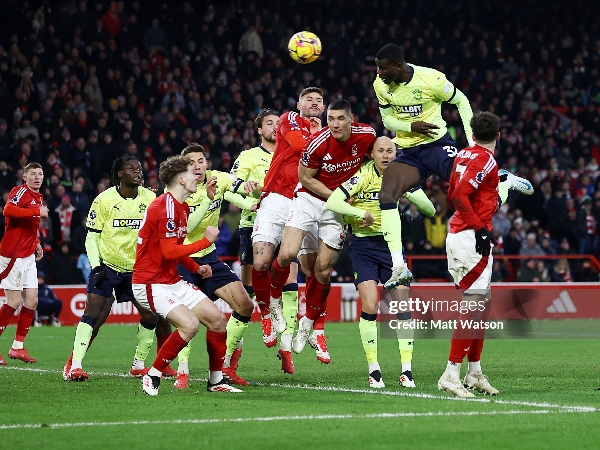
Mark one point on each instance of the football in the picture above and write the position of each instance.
(304, 47)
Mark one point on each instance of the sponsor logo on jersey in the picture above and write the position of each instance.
(368, 195)
(341, 166)
(134, 224)
(214, 205)
(412, 110)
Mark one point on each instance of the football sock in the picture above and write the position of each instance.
(6, 312)
(279, 276)
(373, 367)
(261, 282)
(23, 323)
(475, 366)
(216, 346)
(453, 368)
(368, 335)
(145, 337)
(474, 354)
(172, 346)
(405, 341)
(286, 342)
(503, 188)
(319, 324)
(459, 349)
(236, 327)
(82, 339)
(183, 367)
(316, 296)
(391, 226)
(184, 354)
(289, 304)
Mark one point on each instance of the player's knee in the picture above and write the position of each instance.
(220, 324)
(147, 316)
(323, 275)
(189, 327)
(261, 264)
(246, 307)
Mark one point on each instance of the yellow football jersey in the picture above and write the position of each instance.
(211, 218)
(419, 99)
(252, 164)
(118, 220)
(364, 187)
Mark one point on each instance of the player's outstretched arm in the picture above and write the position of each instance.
(421, 201)
(466, 114)
(196, 217)
(240, 201)
(171, 250)
(14, 211)
(337, 203)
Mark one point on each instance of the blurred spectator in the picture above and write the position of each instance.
(530, 247)
(528, 272)
(48, 304)
(84, 266)
(62, 266)
(65, 217)
(436, 229)
(561, 272)
(413, 227)
(587, 232)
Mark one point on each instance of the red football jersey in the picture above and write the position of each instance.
(474, 184)
(165, 218)
(283, 172)
(22, 223)
(337, 161)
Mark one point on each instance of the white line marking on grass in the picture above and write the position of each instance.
(271, 419)
(565, 408)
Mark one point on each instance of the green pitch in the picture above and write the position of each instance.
(549, 395)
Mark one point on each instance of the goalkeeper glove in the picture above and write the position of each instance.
(100, 276)
(483, 241)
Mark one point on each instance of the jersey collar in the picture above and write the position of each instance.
(264, 149)
(127, 198)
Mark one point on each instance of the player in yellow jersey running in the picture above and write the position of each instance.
(113, 223)
(410, 99)
(222, 283)
(371, 259)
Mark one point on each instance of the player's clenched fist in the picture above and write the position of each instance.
(43, 211)
(211, 234)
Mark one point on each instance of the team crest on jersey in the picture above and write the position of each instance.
(305, 158)
(412, 110)
(480, 176)
(354, 150)
(417, 94)
(171, 225)
(142, 208)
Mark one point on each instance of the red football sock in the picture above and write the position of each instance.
(24, 323)
(160, 341)
(261, 281)
(6, 312)
(216, 346)
(169, 350)
(279, 276)
(319, 323)
(475, 350)
(316, 296)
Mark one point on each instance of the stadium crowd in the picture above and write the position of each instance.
(84, 83)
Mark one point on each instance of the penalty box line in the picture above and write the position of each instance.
(543, 405)
(274, 418)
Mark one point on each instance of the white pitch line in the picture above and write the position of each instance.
(271, 419)
(573, 408)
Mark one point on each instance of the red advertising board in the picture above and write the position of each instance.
(509, 301)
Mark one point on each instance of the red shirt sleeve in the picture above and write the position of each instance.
(12, 210)
(314, 150)
(189, 264)
(171, 250)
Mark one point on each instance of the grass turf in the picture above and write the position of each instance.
(544, 385)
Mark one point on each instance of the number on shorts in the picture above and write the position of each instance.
(451, 150)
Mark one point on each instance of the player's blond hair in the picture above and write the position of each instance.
(32, 165)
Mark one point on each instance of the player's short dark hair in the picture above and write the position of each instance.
(310, 90)
(340, 105)
(32, 165)
(194, 147)
(118, 165)
(261, 116)
(485, 126)
(172, 167)
(390, 52)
